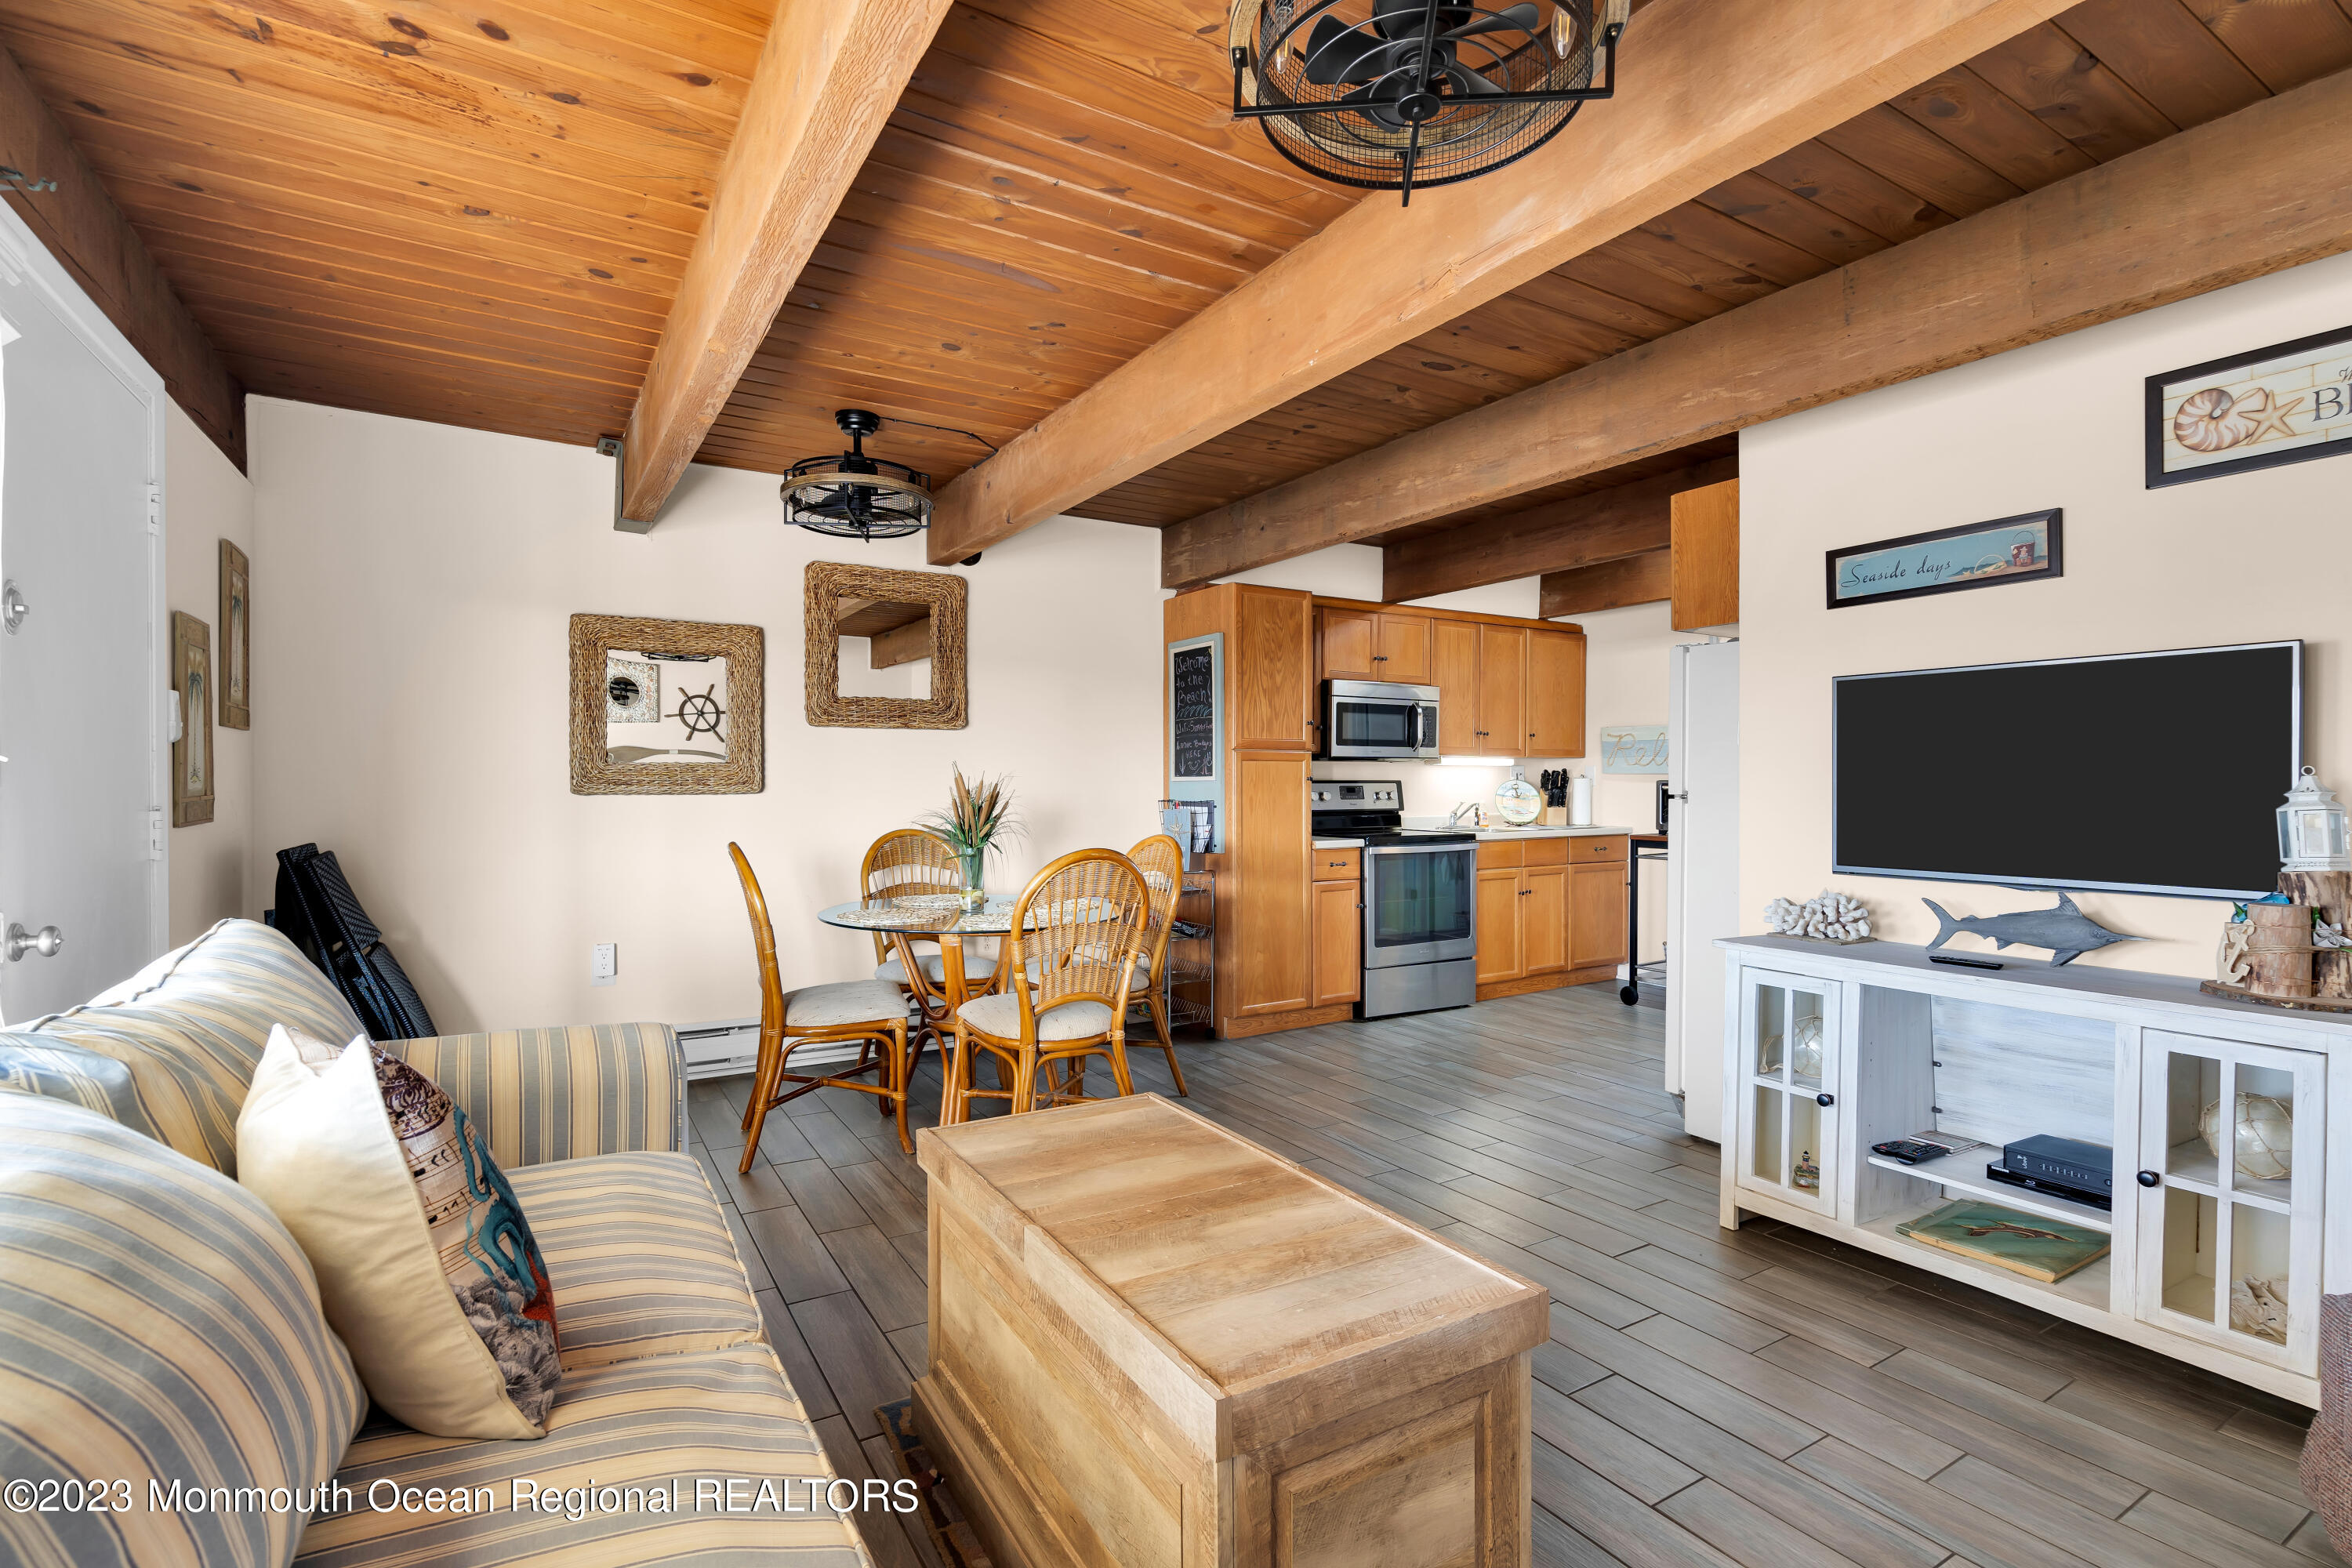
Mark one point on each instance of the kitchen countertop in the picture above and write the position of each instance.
(1338, 843)
(1488, 835)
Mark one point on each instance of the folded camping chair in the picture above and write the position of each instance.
(318, 911)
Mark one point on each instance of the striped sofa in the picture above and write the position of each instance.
(170, 1394)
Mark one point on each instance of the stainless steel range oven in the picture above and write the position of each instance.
(1420, 934)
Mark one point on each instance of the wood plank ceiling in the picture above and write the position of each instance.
(479, 214)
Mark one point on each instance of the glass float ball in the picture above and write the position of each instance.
(2265, 1135)
(1805, 1055)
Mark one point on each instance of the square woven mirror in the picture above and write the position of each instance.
(666, 707)
(886, 648)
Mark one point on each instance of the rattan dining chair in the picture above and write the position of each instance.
(1069, 964)
(870, 1012)
(912, 860)
(1161, 860)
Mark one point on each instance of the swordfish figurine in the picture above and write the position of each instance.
(2064, 930)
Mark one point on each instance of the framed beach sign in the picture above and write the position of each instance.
(1975, 555)
(2283, 404)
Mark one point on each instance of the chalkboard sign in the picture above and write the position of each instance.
(1192, 685)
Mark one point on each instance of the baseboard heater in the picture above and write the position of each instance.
(730, 1046)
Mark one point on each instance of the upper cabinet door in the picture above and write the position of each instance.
(1345, 650)
(1273, 670)
(1454, 668)
(1555, 694)
(1402, 649)
(1502, 704)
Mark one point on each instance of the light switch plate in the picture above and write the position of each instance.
(604, 964)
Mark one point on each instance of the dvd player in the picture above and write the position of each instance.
(2064, 1167)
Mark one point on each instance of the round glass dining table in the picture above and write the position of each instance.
(936, 917)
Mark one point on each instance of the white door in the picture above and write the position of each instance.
(2230, 1247)
(82, 661)
(1702, 871)
(1786, 1070)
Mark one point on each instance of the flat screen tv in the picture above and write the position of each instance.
(2143, 773)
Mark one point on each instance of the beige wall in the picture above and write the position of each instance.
(2255, 557)
(416, 583)
(207, 500)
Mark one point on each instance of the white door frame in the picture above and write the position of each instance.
(25, 259)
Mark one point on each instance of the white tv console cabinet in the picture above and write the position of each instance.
(2108, 1056)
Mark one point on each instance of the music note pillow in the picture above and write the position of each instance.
(427, 1268)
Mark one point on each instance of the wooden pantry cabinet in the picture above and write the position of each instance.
(1550, 912)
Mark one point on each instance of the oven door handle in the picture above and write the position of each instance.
(1423, 850)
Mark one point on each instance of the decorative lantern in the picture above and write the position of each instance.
(2311, 829)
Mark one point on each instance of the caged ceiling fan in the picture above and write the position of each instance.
(1394, 94)
(852, 496)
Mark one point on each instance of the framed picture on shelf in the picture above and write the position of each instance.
(1948, 560)
(192, 753)
(2284, 403)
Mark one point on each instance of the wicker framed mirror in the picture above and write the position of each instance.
(667, 707)
(886, 648)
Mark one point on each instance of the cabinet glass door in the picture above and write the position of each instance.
(1786, 1088)
(2232, 1143)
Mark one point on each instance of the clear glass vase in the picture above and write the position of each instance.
(974, 865)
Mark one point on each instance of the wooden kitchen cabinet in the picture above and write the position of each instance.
(1402, 649)
(1500, 701)
(1338, 940)
(1369, 645)
(1454, 670)
(1555, 695)
(1543, 918)
(1270, 909)
(1500, 956)
(1596, 910)
(1272, 656)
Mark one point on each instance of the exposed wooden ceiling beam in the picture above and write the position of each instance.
(1582, 531)
(87, 234)
(1643, 579)
(2181, 217)
(829, 75)
(1706, 89)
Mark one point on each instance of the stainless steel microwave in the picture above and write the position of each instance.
(1378, 718)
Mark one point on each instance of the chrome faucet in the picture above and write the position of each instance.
(1470, 806)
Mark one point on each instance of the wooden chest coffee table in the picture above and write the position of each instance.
(1152, 1342)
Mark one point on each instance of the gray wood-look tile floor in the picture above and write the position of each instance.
(1763, 1397)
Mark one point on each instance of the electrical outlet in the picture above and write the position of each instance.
(604, 964)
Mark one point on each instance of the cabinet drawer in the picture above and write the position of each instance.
(1545, 851)
(1496, 853)
(1338, 865)
(1608, 847)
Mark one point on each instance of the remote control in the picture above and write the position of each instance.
(1909, 1151)
(1964, 962)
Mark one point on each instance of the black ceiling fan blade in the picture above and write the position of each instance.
(1519, 18)
(1337, 53)
(1470, 84)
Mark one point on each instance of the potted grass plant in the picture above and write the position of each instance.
(977, 814)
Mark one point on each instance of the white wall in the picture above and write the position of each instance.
(205, 500)
(415, 582)
(2254, 557)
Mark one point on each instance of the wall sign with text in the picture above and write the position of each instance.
(2283, 404)
(1975, 555)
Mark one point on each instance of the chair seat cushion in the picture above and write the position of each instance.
(639, 1255)
(1000, 1016)
(935, 969)
(843, 1002)
(642, 1434)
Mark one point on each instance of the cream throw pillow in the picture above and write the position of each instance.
(315, 1143)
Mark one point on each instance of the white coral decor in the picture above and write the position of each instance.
(1832, 917)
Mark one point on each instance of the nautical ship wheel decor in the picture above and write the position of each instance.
(1394, 95)
(700, 713)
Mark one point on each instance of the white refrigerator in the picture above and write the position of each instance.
(1702, 871)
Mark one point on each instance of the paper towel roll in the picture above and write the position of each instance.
(1580, 801)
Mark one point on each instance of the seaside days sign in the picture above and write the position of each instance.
(1975, 555)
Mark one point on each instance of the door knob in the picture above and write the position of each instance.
(46, 941)
(1825, 1099)
(2150, 1178)
(13, 608)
